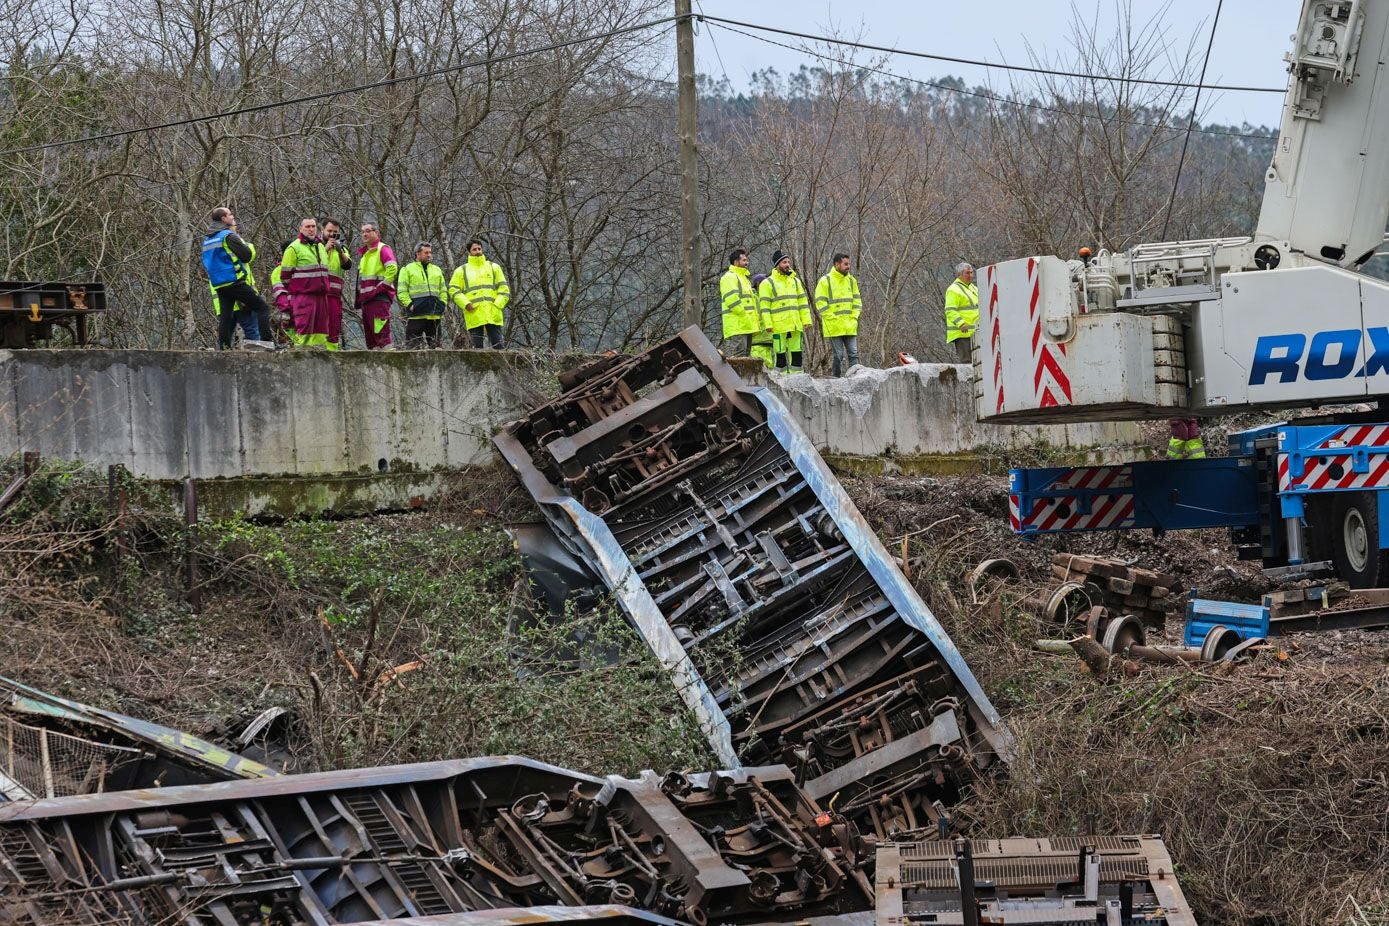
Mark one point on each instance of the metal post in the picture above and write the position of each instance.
(190, 520)
(1295, 552)
(964, 866)
(116, 505)
(689, 163)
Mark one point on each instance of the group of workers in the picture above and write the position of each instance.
(309, 282)
(764, 315)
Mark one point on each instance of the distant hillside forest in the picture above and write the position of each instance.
(565, 161)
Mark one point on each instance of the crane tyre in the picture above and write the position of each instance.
(1354, 530)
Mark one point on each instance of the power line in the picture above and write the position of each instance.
(719, 21)
(946, 88)
(341, 91)
(1176, 178)
(990, 64)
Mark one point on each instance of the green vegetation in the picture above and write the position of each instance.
(391, 639)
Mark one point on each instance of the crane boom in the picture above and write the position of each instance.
(1210, 326)
(1327, 190)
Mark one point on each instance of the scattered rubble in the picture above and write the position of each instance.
(737, 555)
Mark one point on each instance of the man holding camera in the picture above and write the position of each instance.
(339, 262)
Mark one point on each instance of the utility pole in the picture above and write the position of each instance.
(689, 164)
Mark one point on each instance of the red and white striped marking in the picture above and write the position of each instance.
(1096, 477)
(991, 307)
(1049, 381)
(1106, 512)
(1320, 472)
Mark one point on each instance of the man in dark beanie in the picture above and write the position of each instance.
(785, 311)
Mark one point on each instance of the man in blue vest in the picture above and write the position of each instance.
(227, 259)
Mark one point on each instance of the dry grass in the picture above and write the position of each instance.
(1269, 781)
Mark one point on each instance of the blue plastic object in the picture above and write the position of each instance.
(1248, 621)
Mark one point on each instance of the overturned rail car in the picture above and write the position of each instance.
(431, 840)
(738, 556)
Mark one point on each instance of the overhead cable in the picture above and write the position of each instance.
(1002, 66)
(341, 91)
(1006, 101)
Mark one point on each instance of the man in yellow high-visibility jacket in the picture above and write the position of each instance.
(481, 292)
(838, 301)
(961, 310)
(738, 306)
(420, 289)
(785, 312)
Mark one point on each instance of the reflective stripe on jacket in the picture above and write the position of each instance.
(1191, 449)
(304, 267)
(278, 291)
(418, 282)
(839, 303)
(783, 303)
(376, 273)
(338, 263)
(738, 303)
(482, 283)
(961, 310)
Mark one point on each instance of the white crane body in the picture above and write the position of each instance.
(1276, 319)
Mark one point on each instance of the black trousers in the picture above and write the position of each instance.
(239, 303)
(421, 333)
(492, 332)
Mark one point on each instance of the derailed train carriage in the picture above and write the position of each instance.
(431, 840)
(737, 555)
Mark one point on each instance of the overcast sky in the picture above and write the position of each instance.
(1250, 39)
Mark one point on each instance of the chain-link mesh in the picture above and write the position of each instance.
(45, 763)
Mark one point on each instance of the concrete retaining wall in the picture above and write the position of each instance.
(921, 417)
(309, 431)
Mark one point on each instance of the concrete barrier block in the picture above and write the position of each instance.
(393, 413)
(476, 402)
(74, 410)
(158, 410)
(266, 390)
(317, 412)
(213, 418)
(419, 434)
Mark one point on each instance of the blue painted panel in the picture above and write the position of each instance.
(1248, 621)
(1167, 495)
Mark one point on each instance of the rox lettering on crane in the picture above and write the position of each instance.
(1331, 355)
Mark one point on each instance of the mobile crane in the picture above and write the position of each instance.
(1277, 320)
